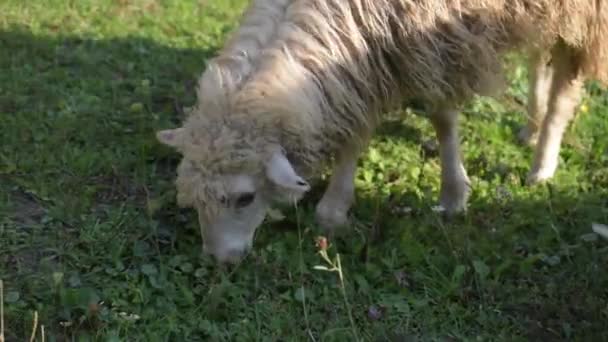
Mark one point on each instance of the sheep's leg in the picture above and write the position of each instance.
(566, 91)
(455, 184)
(540, 75)
(332, 210)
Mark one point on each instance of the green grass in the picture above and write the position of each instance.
(90, 234)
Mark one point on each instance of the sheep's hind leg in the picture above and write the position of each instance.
(565, 96)
(455, 184)
(332, 210)
(540, 73)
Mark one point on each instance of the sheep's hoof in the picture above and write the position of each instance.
(537, 176)
(453, 208)
(527, 137)
(454, 197)
(331, 218)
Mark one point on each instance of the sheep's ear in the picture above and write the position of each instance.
(280, 172)
(171, 137)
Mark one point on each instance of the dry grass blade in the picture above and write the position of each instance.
(1, 311)
(34, 327)
(336, 266)
(301, 259)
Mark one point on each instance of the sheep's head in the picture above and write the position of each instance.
(231, 174)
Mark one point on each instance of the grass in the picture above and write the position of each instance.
(92, 240)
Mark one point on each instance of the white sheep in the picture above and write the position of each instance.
(556, 82)
(303, 83)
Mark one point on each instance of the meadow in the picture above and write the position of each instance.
(92, 240)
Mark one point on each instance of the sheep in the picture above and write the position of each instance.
(551, 106)
(303, 84)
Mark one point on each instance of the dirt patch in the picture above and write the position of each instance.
(116, 188)
(21, 254)
(26, 210)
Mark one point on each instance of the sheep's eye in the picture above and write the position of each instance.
(245, 199)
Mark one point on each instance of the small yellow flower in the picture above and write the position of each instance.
(584, 108)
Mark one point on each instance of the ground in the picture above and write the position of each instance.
(92, 240)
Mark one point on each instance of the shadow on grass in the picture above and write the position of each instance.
(77, 146)
(79, 112)
(41, 72)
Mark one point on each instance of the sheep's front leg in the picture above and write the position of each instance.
(540, 76)
(455, 184)
(565, 96)
(332, 210)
